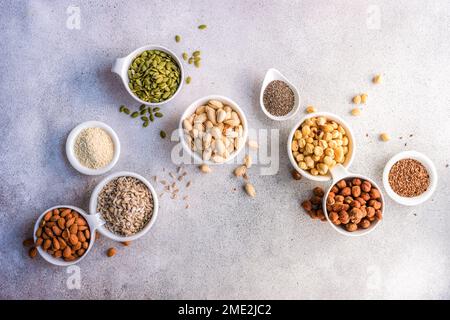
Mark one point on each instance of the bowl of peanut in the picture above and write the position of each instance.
(318, 142)
(353, 204)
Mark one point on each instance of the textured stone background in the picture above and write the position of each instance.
(227, 245)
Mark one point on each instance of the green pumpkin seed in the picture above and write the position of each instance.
(202, 26)
(126, 110)
(135, 114)
(196, 53)
(197, 64)
(188, 80)
(162, 134)
(156, 109)
(158, 115)
(191, 60)
(177, 38)
(144, 118)
(145, 124)
(152, 118)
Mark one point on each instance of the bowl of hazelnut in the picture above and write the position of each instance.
(353, 204)
(319, 142)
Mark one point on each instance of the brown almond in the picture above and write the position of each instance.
(81, 221)
(111, 252)
(50, 224)
(85, 245)
(48, 232)
(54, 218)
(39, 242)
(47, 244)
(28, 242)
(87, 234)
(47, 216)
(73, 229)
(50, 251)
(61, 223)
(57, 231)
(58, 254)
(73, 239)
(67, 252)
(78, 246)
(82, 228)
(32, 252)
(69, 222)
(75, 214)
(65, 212)
(65, 234)
(81, 251)
(45, 236)
(55, 211)
(56, 245)
(62, 243)
(69, 258)
(81, 236)
(39, 232)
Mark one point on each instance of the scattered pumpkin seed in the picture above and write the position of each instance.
(196, 59)
(145, 124)
(197, 64)
(143, 111)
(142, 107)
(156, 109)
(188, 80)
(126, 110)
(135, 114)
(152, 118)
(158, 115)
(177, 38)
(163, 134)
(191, 60)
(144, 119)
(185, 56)
(202, 26)
(196, 53)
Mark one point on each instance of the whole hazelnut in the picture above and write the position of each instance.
(337, 207)
(307, 205)
(316, 200)
(318, 191)
(330, 201)
(296, 175)
(361, 201)
(346, 191)
(378, 214)
(365, 223)
(344, 217)
(334, 189)
(371, 219)
(355, 204)
(321, 215)
(374, 194)
(348, 200)
(365, 196)
(345, 207)
(333, 216)
(339, 199)
(351, 227)
(331, 194)
(329, 208)
(356, 182)
(364, 211)
(356, 191)
(374, 203)
(366, 186)
(341, 184)
(370, 212)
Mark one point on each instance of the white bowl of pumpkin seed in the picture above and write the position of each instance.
(152, 75)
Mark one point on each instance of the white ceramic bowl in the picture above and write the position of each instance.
(93, 206)
(70, 142)
(121, 65)
(351, 144)
(203, 101)
(94, 222)
(271, 75)
(340, 173)
(432, 172)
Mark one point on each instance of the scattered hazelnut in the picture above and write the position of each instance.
(310, 109)
(356, 112)
(385, 137)
(356, 99)
(377, 79)
(296, 175)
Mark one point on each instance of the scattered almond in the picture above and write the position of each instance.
(248, 161)
(28, 242)
(111, 252)
(126, 243)
(32, 252)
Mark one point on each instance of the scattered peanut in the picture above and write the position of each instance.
(248, 161)
(364, 98)
(356, 112)
(253, 144)
(356, 99)
(385, 137)
(377, 79)
(310, 109)
(240, 171)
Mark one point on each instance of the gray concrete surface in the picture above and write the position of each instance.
(227, 245)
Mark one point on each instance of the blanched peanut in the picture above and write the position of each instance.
(310, 109)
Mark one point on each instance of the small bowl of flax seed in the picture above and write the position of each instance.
(410, 178)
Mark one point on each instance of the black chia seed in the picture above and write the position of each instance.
(278, 98)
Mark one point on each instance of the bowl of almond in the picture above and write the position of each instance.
(213, 130)
(63, 235)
